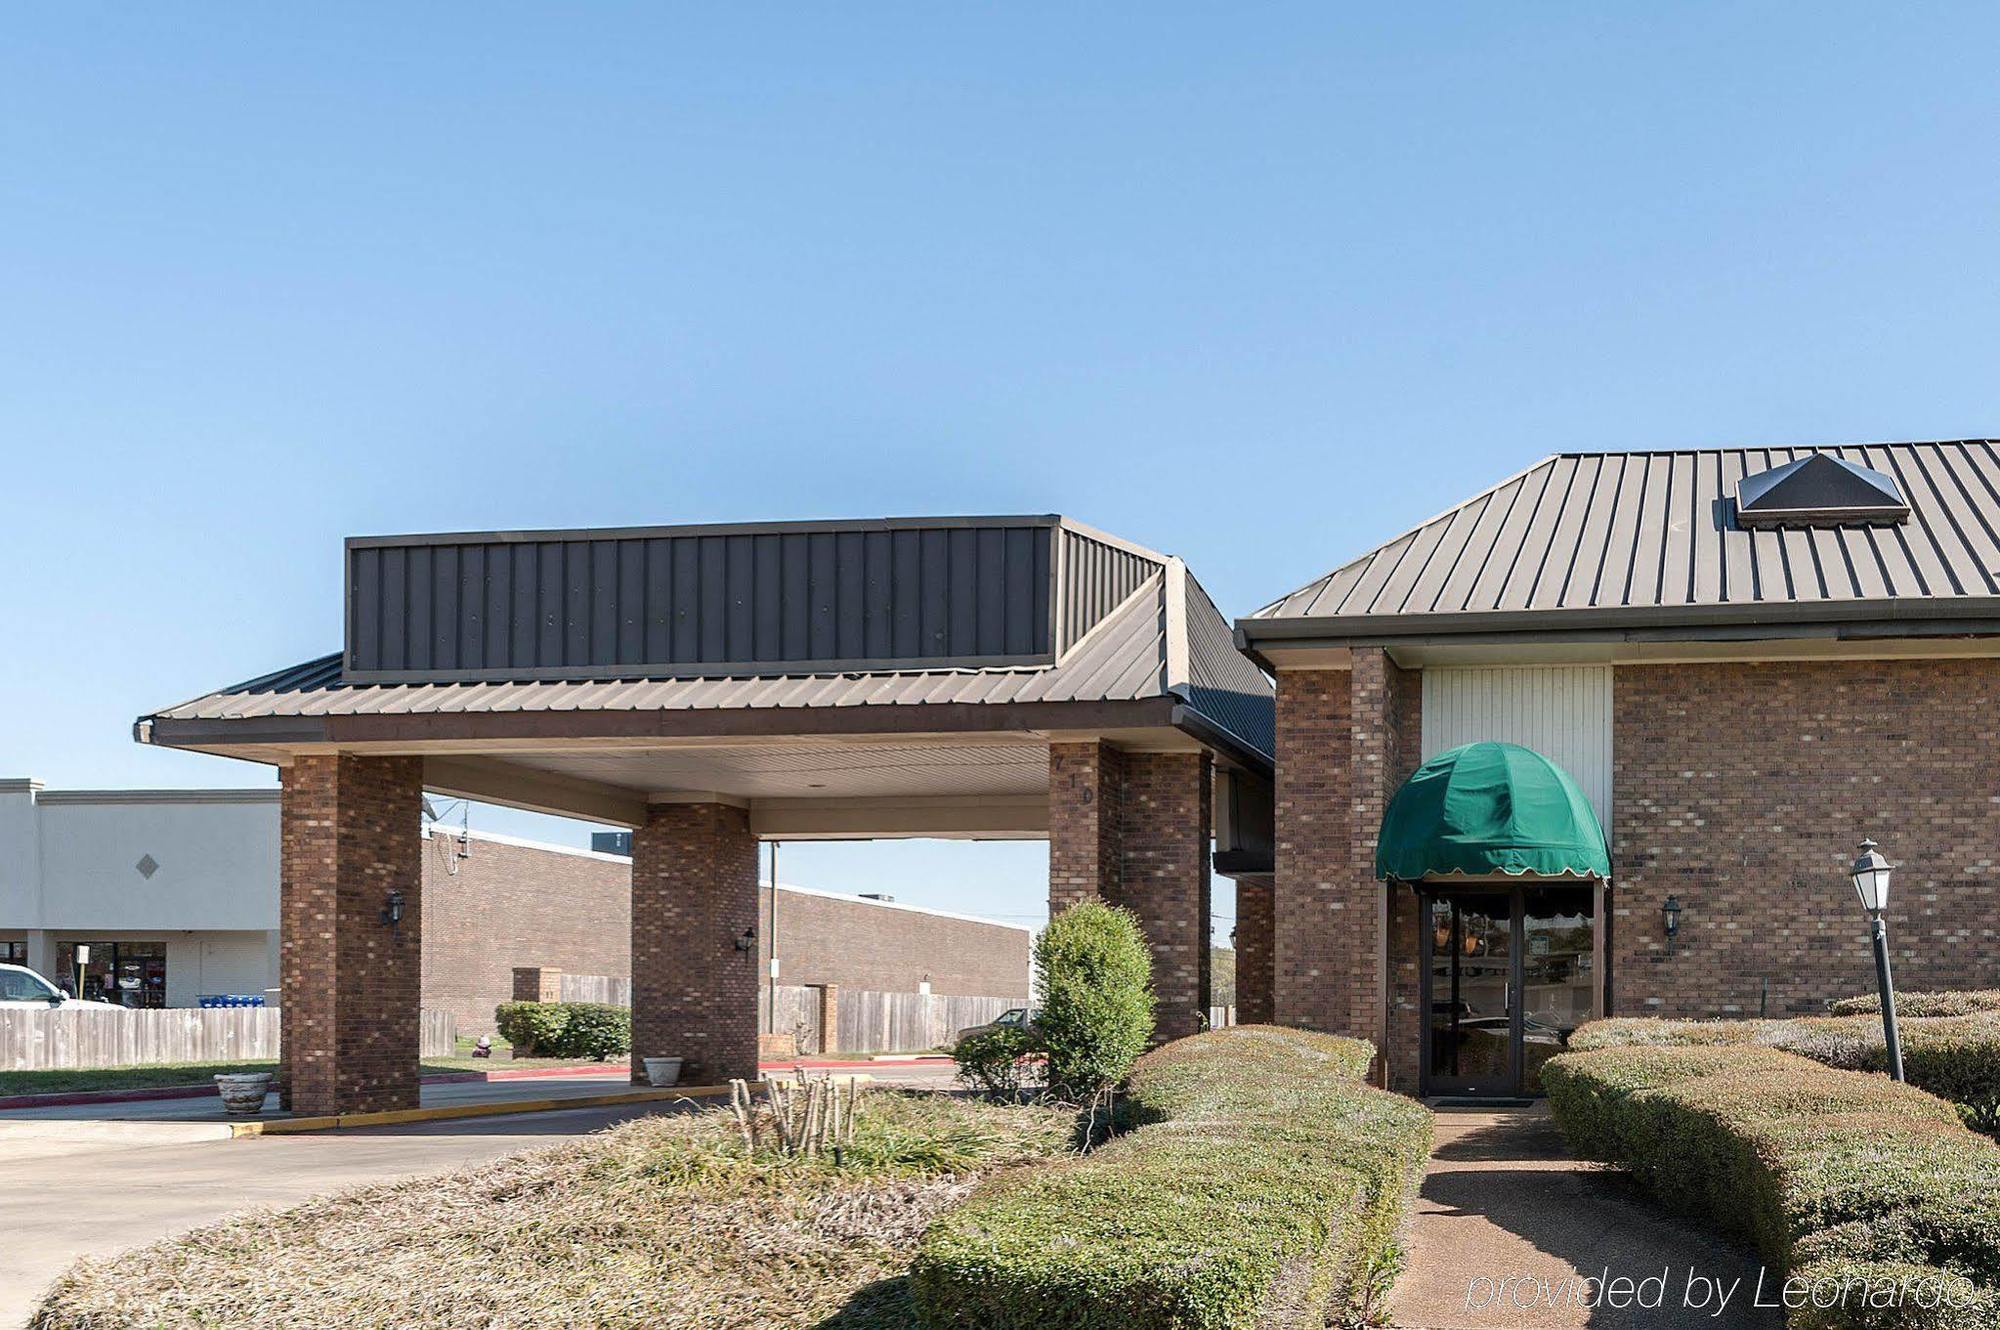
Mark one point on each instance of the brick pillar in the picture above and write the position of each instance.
(1165, 846)
(694, 893)
(1132, 829)
(1086, 795)
(1253, 950)
(1346, 740)
(351, 983)
(829, 1017)
(537, 983)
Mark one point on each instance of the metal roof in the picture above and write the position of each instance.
(1165, 639)
(1613, 538)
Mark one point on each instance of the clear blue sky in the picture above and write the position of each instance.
(1256, 286)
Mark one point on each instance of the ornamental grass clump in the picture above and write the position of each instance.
(1265, 1186)
(1846, 1180)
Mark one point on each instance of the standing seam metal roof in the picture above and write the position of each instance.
(1131, 654)
(1622, 530)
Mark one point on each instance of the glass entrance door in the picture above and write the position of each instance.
(1471, 1040)
(1508, 973)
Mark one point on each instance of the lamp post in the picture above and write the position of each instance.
(1871, 883)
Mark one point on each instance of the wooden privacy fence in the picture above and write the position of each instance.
(910, 1022)
(868, 1021)
(75, 1038)
(612, 989)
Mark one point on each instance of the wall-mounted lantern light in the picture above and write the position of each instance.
(748, 942)
(392, 909)
(1670, 911)
(1870, 873)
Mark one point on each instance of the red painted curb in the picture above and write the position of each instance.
(70, 1098)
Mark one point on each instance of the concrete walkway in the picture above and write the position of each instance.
(1511, 1233)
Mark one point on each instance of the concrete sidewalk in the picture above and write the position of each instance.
(1509, 1226)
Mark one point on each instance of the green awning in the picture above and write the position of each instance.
(1490, 808)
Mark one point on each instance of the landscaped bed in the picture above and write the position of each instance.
(1266, 1186)
(1871, 1195)
(663, 1222)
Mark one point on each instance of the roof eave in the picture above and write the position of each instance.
(1950, 616)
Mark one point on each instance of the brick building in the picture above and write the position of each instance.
(1747, 660)
(1735, 663)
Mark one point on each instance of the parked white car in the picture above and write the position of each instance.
(22, 987)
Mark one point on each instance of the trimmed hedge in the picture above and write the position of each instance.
(1833, 1175)
(1923, 1004)
(1265, 1186)
(1953, 1057)
(565, 1029)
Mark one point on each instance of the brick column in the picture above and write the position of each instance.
(1253, 950)
(351, 983)
(1086, 796)
(1132, 829)
(694, 893)
(1165, 845)
(1346, 740)
(829, 1017)
(537, 983)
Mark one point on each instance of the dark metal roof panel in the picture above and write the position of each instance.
(1596, 531)
(1122, 658)
(1222, 683)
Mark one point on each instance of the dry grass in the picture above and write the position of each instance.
(659, 1223)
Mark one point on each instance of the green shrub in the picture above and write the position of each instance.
(565, 1029)
(1093, 974)
(992, 1061)
(1953, 1057)
(1923, 1004)
(596, 1030)
(1265, 1188)
(1827, 1172)
(533, 1028)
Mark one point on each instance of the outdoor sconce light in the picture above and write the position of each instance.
(392, 909)
(1670, 911)
(1871, 883)
(748, 941)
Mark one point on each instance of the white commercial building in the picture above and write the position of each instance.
(173, 892)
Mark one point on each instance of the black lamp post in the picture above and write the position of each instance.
(1871, 883)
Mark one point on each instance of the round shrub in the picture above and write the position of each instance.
(1094, 976)
(596, 1030)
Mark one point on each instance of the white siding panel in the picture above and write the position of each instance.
(1562, 712)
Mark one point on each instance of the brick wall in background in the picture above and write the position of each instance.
(882, 947)
(506, 906)
(1743, 789)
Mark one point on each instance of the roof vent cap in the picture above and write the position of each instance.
(1820, 489)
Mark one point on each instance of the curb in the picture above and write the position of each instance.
(444, 1112)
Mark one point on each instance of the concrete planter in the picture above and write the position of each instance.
(662, 1071)
(243, 1092)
